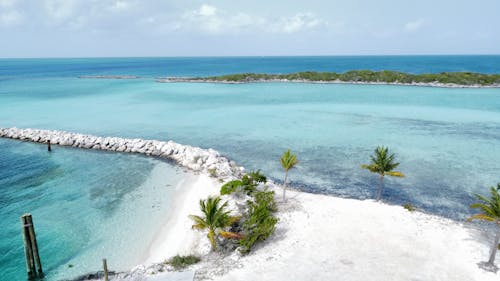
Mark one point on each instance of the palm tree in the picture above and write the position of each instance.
(288, 161)
(215, 218)
(383, 163)
(490, 211)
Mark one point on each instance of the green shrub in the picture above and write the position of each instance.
(179, 262)
(260, 223)
(409, 207)
(248, 183)
(251, 180)
(230, 187)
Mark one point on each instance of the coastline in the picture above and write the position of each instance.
(175, 236)
(317, 237)
(415, 84)
(322, 237)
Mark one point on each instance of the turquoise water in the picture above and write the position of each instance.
(86, 205)
(448, 142)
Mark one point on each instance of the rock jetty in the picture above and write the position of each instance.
(194, 158)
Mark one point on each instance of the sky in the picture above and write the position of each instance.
(120, 28)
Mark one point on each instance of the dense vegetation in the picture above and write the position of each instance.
(385, 76)
(248, 183)
(180, 262)
(215, 219)
(261, 222)
(256, 223)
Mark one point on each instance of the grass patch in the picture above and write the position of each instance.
(180, 262)
(409, 207)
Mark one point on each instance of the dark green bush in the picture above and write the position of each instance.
(251, 180)
(260, 223)
(248, 183)
(230, 187)
(179, 262)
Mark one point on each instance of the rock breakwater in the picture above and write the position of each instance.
(194, 158)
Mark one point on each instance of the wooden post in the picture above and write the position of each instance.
(34, 245)
(105, 267)
(48, 146)
(28, 251)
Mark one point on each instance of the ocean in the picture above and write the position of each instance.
(88, 204)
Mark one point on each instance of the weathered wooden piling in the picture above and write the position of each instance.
(48, 146)
(30, 262)
(105, 268)
(34, 246)
(31, 247)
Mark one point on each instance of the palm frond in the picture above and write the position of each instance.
(288, 160)
(214, 217)
(481, 217)
(395, 174)
(489, 207)
(230, 235)
(233, 219)
(199, 222)
(383, 162)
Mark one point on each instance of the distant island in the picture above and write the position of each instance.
(108, 77)
(444, 79)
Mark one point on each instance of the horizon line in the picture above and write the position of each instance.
(251, 56)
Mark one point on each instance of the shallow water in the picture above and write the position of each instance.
(86, 205)
(447, 140)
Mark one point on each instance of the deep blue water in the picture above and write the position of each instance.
(448, 142)
(203, 66)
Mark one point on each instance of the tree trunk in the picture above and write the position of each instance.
(494, 249)
(211, 237)
(379, 193)
(284, 187)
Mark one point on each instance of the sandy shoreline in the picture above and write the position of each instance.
(321, 237)
(318, 237)
(176, 236)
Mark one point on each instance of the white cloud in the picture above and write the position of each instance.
(213, 20)
(298, 22)
(207, 11)
(416, 24)
(9, 14)
(11, 17)
(120, 6)
(8, 3)
(60, 10)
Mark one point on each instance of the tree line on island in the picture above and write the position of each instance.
(384, 76)
(259, 220)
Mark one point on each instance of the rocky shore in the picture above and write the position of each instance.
(418, 84)
(194, 158)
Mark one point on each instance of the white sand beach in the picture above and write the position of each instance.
(322, 237)
(318, 237)
(176, 236)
